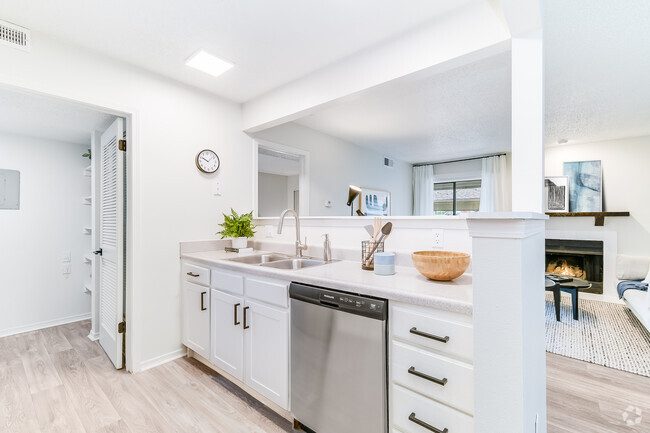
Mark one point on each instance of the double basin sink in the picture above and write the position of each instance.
(279, 261)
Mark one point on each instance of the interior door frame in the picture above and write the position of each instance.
(303, 180)
(134, 249)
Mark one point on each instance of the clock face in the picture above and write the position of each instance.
(207, 161)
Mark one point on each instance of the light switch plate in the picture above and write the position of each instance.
(269, 231)
(66, 269)
(216, 187)
(67, 257)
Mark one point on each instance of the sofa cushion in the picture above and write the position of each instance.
(632, 267)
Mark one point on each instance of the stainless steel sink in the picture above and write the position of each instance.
(295, 263)
(260, 259)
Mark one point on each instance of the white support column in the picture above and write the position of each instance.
(509, 337)
(527, 122)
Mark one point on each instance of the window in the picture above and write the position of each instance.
(453, 198)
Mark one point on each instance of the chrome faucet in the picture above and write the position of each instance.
(299, 245)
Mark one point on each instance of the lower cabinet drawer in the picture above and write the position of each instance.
(443, 379)
(435, 332)
(196, 274)
(413, 413)
(270, 291)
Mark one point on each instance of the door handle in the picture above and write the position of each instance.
(192, 274)
(415, 331)
(245, 325)
(237, 322)
(414, 372)
(429, 427)
(98, 252)
(203, 308)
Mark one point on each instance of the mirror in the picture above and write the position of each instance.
(414, 146)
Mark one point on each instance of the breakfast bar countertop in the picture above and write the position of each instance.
(406, 285)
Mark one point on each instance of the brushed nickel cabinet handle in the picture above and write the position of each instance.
(192, 274)
(203, 308)
(441, 382)
(237, 322)
(429, 427)
(245, 325)
(415, 331)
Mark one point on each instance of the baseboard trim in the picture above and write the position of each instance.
(93, 336)
(43, 325)
(162, 359)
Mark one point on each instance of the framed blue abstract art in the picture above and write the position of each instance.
(585, 186)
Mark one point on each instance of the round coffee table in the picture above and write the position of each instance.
(571, 287)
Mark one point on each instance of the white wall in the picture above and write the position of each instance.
(170, 200)
(273, 192)
(335, 164)
(626, 184)
(34, 293)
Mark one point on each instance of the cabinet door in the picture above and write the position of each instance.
(196, 318)
(267, 352)
(227, 350)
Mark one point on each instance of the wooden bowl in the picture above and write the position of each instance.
(440, 265)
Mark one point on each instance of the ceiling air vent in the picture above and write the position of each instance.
(388, 162)
(14, 36)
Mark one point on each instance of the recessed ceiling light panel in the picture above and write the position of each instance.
(208, 63)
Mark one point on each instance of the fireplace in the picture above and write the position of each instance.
(578, 259)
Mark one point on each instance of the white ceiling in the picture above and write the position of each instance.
(49, 118)
(597, 87)
(270, 42)
(597, 55)
(459, 113)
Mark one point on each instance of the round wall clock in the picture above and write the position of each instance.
(207, 161)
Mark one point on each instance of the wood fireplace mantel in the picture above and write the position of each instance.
(599, 217)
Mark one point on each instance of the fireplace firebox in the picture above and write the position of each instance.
(578, 259)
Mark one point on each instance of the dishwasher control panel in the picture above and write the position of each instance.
(352, 301)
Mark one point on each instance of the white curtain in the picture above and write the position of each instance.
(494, 189)
(423, 190)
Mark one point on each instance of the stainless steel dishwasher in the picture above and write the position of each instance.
(338, 361)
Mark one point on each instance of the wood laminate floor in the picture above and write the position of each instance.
(57, 380)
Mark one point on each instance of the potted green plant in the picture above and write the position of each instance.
(237, 227)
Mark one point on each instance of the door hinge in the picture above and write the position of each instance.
(121, 327)
(122, 145)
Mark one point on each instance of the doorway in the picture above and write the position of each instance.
(52, 154)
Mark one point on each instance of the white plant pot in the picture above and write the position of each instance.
(240, 242)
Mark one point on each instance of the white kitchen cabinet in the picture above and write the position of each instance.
(196, 318)
(431, 370)
(267, 351)
(227, 351)
(250, 339)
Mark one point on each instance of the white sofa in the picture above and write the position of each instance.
(634, 268)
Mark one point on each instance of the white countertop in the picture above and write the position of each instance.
(407, 285)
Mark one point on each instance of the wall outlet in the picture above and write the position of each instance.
(67, 257)
(438, 238)
(269, 231)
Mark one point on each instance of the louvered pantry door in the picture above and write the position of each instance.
(111, 241)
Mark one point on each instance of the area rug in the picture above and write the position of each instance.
(606, 334)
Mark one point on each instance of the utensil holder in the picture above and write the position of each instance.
(368, 251)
